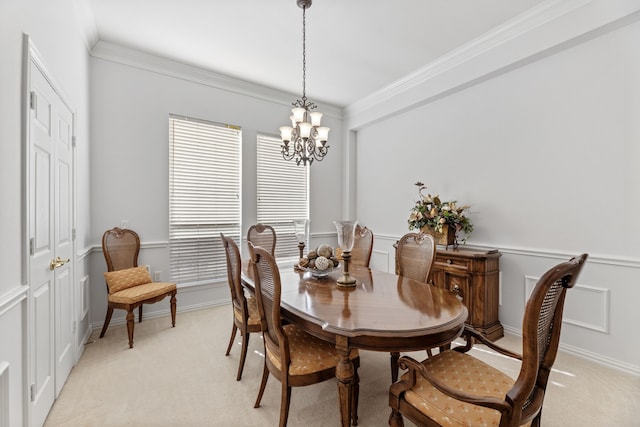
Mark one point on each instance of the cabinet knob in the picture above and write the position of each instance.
(456, 289)
(449, 261)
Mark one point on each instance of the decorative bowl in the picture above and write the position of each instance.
(318, 274)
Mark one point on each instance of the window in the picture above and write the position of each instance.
(282, 194)
(204, 197)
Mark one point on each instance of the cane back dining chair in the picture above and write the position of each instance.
(362, 247)
(293, 356)
(414, 257)
(245, 308)
(128, 285)
(264, 236)
(455, 388)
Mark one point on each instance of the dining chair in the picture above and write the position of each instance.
(362, 247)
(293, 356)
(414, 257)
(264, 236)
(245, 308)
(455, 388)
(128, 285)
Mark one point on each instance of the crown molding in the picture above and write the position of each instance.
(145, 61)
(533, 33)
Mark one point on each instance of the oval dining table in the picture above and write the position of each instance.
(382, 312)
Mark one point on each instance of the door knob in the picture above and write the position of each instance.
(58, 262)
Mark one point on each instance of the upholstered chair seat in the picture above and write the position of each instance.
(466, 374)
(142, 292)
(253, 317)
(308, 353)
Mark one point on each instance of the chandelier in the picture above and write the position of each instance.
(305, 140)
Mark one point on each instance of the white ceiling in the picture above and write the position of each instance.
(354, 47)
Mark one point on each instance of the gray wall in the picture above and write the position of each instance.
(132, 95)
(546, 152)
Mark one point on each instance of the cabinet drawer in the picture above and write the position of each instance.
(452, 262)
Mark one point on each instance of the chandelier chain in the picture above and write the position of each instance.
(304, 54)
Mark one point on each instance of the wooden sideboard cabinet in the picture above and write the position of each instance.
(474, 274)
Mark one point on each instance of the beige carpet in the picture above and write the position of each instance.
(180, 377)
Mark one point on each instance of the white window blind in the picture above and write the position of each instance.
(283, 189)
(204, 197)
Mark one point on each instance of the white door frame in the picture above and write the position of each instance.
(34, 271)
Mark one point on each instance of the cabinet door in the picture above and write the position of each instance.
(455, 281)
(460, 284)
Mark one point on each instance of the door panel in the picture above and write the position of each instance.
(63, 193)
(41, 196)
(50, 232)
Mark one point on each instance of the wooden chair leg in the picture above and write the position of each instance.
(130, 324)
(429, 353)
(107, 319)
(355, 395)
(394, 366)
(285, 402)
(173, 310)
(232, 339)
(395, 419)
(140, 313)
(243, 354)
(263, 385)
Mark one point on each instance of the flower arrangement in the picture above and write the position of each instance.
(432, 212)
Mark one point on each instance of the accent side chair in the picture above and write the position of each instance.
(455, 388)
(128, 285)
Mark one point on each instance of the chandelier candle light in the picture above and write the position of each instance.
(305, 140)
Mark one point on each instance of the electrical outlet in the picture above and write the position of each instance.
(157, 276)
(148, 267)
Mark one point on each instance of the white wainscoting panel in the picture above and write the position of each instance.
(379, 260)
(587, 307)
(84, 296)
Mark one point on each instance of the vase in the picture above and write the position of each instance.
(446, 238)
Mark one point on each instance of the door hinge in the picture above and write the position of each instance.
(32, 100)
(73, 141)
(73, 234)
(31, 249)
(33, 392)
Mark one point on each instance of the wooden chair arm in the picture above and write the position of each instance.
(417, 368)
(471, 334)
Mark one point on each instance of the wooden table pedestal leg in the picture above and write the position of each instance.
(345, 374)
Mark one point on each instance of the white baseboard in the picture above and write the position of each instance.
(587, 355)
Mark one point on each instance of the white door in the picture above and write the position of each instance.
(50, 206)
